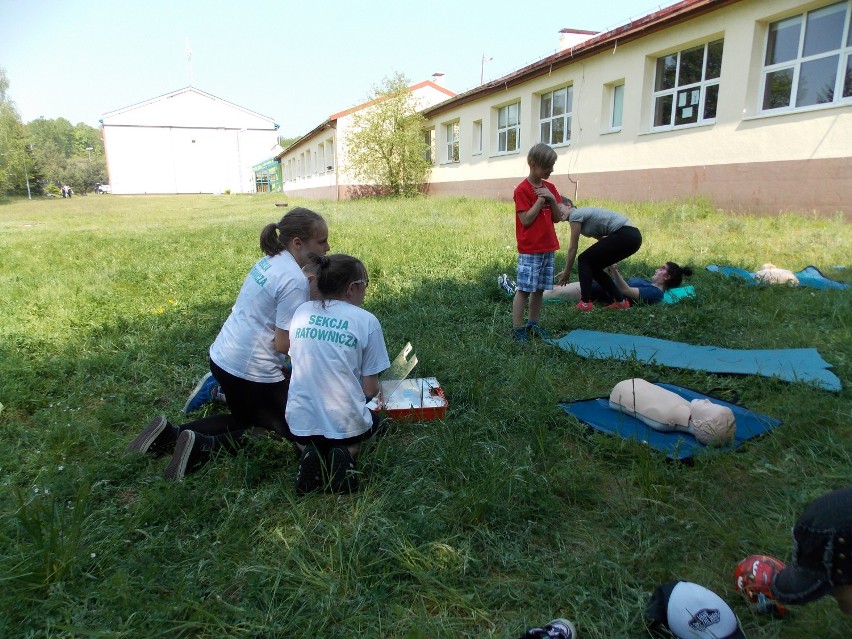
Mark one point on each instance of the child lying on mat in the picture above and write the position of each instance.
(635, 289)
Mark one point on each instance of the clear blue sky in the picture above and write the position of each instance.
(294, 61)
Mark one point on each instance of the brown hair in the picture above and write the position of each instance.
(300, 222)
(336, 272)
(542, 156)
(676, 273)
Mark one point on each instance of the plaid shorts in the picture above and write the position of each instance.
(535, 271)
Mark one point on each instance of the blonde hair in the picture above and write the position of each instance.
(541, 155)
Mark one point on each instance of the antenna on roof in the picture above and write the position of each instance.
(188, 53)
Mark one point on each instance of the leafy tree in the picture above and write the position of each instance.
(68, 154)
(386, 147)
(9, 133)
(286, 142)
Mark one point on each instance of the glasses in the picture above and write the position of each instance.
(365, 282)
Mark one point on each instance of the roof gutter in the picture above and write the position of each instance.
(633, 30)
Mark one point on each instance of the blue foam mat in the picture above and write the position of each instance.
(597, 414)
(788, 364)
(809, 276)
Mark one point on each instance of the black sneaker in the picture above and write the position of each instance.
(556, 629)
(341, 470)
(191, 451)
(158, 438)
(309, 476)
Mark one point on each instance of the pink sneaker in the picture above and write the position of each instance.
(623, 305)
(585, 306)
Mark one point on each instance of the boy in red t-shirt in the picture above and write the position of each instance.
(537, 210)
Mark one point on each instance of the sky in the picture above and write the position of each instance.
(296, 62)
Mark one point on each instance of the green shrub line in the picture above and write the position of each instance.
(506, 514)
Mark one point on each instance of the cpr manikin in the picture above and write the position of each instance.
(663, 410)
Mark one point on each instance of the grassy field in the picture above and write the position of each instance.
(505, 515)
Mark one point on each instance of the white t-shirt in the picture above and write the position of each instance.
(271, 293)
(331, 348)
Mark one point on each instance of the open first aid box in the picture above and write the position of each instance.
(416, 399)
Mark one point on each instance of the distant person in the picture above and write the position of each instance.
(635, 289)
(536, 213)
(338, 350)
(822, 554)
(246, 357)
(617, 239)
(64, 190)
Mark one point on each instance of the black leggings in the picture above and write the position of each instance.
(251, 404)
(606, 251)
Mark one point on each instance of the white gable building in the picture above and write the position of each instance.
(187, 141)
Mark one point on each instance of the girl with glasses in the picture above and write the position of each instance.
(338, 351)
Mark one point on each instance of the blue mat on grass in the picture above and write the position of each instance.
(671, 296)
(788, 364)
(809, 276)
(597, 414)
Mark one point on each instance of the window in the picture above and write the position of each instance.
(808, 59)
(686, 86)
(452, 142)
(321, 160)
(509, 128)
(477, 138)
(616, 107)
(429, 141)
(555, 116)
(329, 154)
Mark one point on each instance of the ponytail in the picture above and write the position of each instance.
(300, 222)
(676, 273)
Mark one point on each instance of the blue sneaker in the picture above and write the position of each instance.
(534, 330)
(205, 391)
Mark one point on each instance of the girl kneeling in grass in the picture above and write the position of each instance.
(338, 350)
(247, 356)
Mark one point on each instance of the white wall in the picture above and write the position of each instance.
(186, 142)
(740, 135)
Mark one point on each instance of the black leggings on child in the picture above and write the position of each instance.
(606, 251)
(251, 404)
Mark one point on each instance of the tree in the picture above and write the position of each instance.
(10, 124)
(67, 154)
(386, 147)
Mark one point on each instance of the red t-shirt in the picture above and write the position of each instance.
(540, 236)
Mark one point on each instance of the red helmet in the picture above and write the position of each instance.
(753, 576)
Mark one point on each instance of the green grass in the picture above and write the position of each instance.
(506, 514)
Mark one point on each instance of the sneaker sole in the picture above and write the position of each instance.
(194, 395)
(176, 469)
(309, 475)
(144, 440)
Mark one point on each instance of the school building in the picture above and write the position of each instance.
(745, 102)
(315, 165)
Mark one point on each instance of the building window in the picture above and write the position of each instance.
(808, 59)
(321, 159)
(329, 154)
(509, 128)
(429, 142)
(452, 131)
(686, 86)
(616, 107)
(477, 138)
(555, 116)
